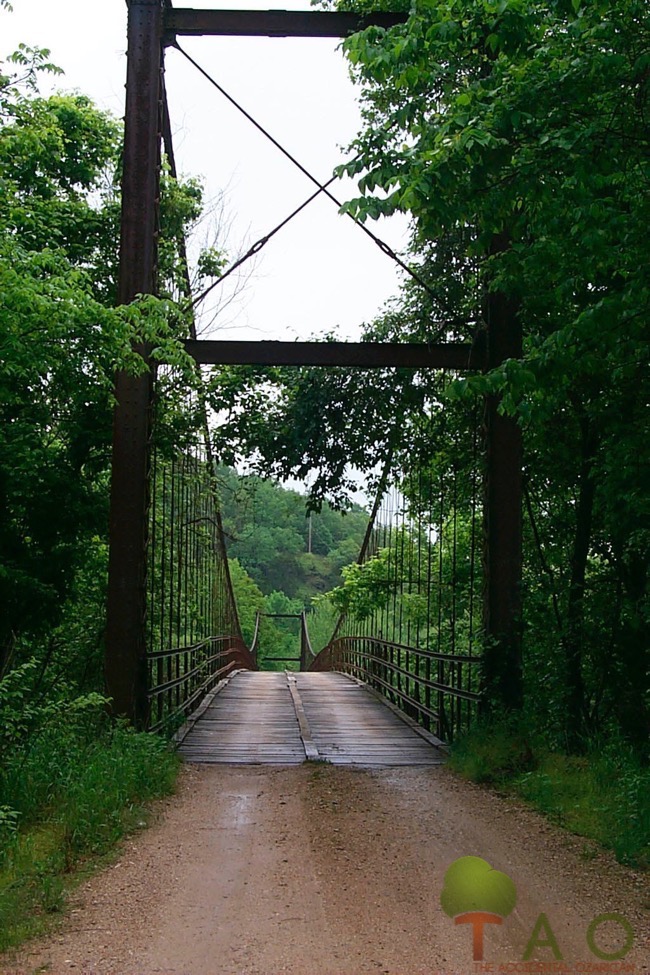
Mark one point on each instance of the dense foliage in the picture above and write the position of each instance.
(514, 133)
(61, 341)
(282, 558)
(282, 546)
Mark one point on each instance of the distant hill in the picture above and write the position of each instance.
(268, 532)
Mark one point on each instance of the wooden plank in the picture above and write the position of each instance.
(349, 727)
(311, 751)
(251, 721)
(279, 719)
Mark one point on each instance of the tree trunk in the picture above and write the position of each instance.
(574, 637)
(503, 653)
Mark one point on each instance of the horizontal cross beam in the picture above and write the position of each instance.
(282, 616)
(274, 23)
(368, 355)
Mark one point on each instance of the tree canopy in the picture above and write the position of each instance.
(514, 134)
(61, 338)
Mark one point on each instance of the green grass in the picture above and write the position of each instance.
(77, 789)
(603, 795)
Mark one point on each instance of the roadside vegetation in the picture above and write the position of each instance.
(602, 794)
(71, 781)
(68, 793)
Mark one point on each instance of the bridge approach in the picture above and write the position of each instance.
(266, 718)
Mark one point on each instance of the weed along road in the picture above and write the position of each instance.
(323, 870)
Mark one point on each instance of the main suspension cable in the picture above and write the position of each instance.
(322, 187)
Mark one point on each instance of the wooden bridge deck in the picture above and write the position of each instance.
(283, 719)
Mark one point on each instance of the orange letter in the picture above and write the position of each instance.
(478, 919)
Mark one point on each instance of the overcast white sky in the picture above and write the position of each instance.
(319, 273)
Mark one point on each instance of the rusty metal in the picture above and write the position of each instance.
(307, 655)
(282, 616)
(373, 661)
(210, 459)
(273, 23)
(194, 636)
(254, 647)
(126, 672)
(193, 672)
(367, 355)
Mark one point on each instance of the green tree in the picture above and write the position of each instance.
(60, 340)
(268, 529)
(513, 133)
(249, 598)
(525, 119)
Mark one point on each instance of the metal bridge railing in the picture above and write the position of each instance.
(193, 634)
(412, 609)
(306, 655)
(417, 681)
(180, 678)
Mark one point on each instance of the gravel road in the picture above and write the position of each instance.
(321, 870)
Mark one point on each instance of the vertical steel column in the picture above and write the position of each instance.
(503, 668)
(126, 672)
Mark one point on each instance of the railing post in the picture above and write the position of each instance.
(126, 665)
(503, 669)
(303, 639)
(256, 635)
(307, 655)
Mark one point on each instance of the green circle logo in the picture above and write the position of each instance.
(620, 952)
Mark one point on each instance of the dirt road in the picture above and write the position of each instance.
(317, 870)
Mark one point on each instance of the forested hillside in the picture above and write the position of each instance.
(280, 544)
(284, 557)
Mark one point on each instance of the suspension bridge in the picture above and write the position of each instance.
(397, 677)
(407, 667)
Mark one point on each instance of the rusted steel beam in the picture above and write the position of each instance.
(274, 23)
(368, 355)
(126, 672)
(282, 616)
